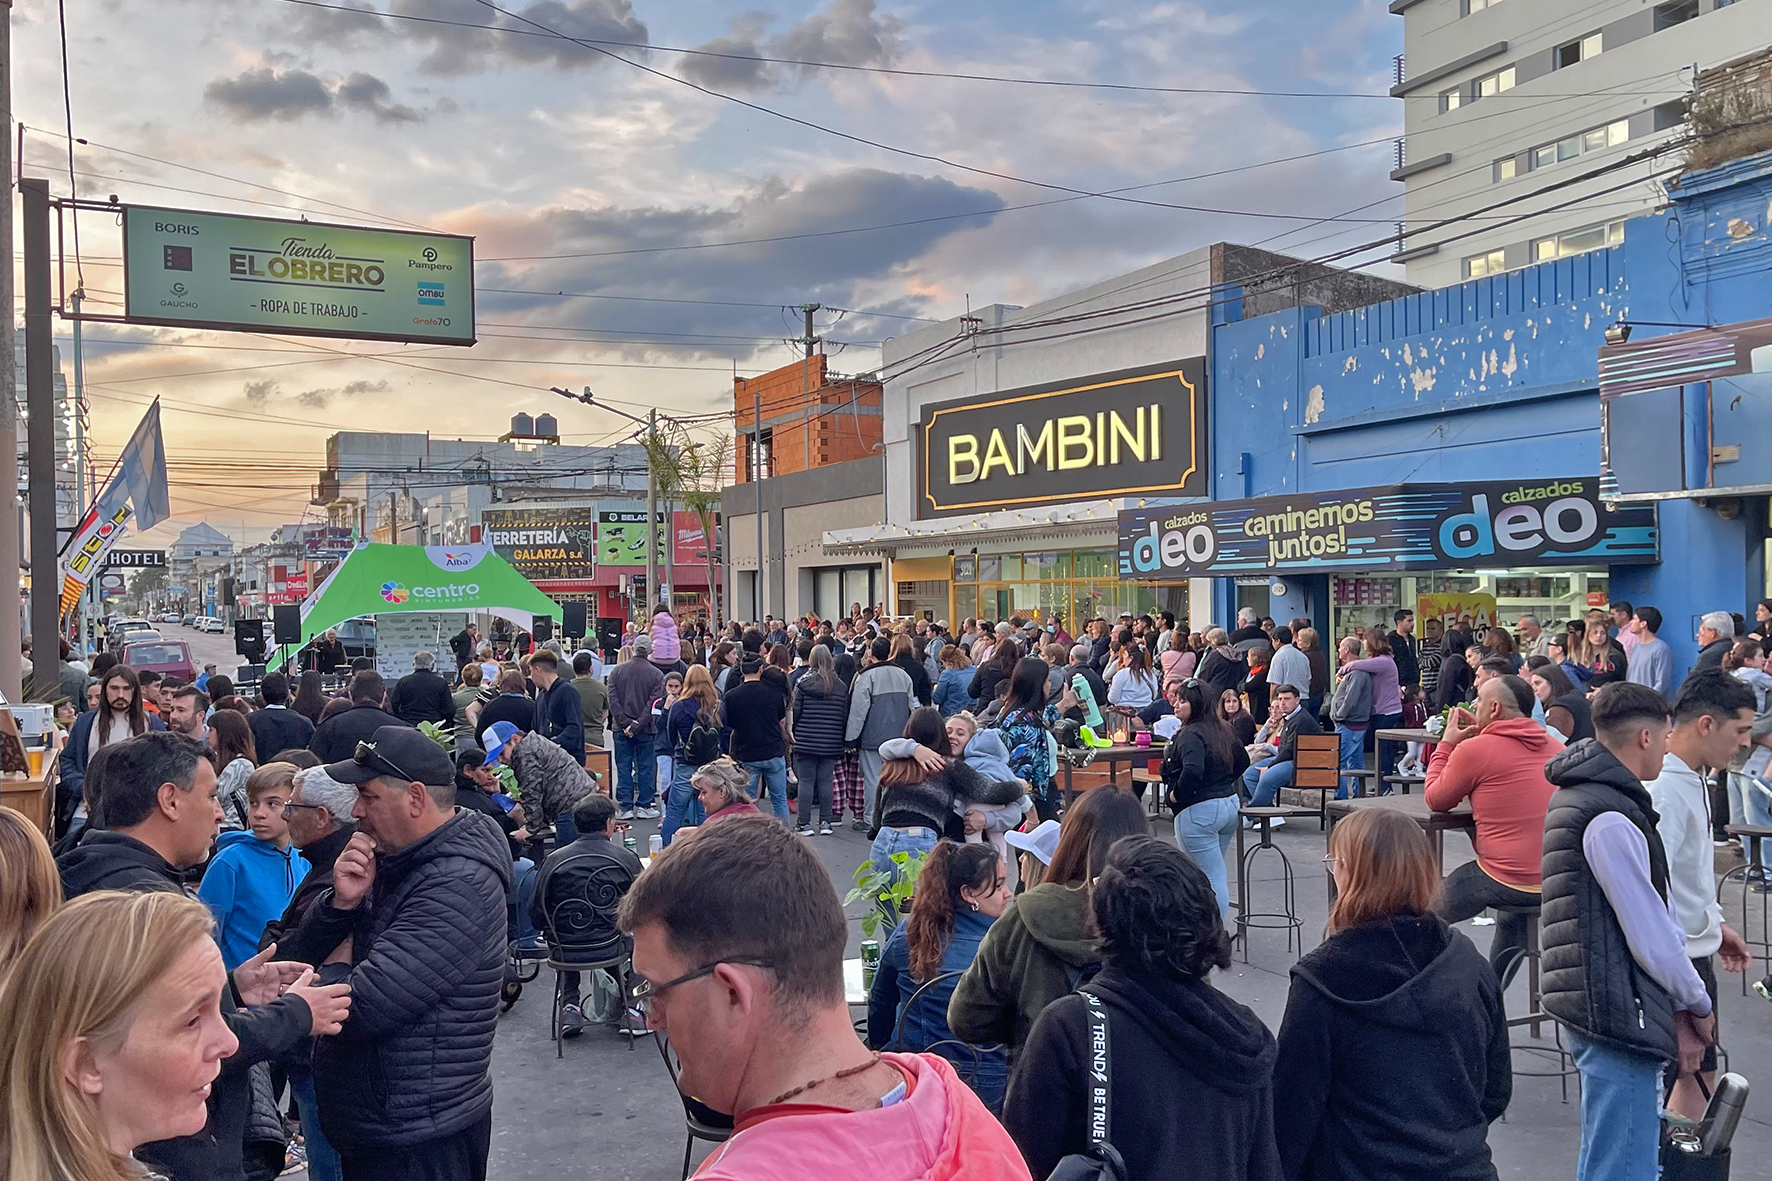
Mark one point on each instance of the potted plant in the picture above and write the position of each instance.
(891, 893)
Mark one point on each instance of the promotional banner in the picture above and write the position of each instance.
(1402, 527)
(621, 539)
(219, 270)
(544, 543)
(1472, 614)
(99, 530)
(689, 540)
(1137, 431)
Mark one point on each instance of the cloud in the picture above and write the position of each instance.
(318, 399)
(849, 33)
(265, 93)
(533, 35)
(259, 392)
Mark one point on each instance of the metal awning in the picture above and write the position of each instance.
(1009, 525)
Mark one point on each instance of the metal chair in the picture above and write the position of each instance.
(1752, 838)
(701, 1121)
(966, 1059)
(1535, 1017)
(578, 933)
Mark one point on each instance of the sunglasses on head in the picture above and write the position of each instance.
(366, 756)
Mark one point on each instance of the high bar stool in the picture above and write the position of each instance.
(1535, 1016)
(1286, 918)
(1752, 836)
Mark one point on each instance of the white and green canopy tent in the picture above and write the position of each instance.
(413, 580)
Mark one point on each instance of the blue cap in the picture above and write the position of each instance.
(498, 733)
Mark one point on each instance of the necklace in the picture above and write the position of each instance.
(804, 1087)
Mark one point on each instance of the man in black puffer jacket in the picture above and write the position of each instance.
(415, 920)
(1615, 967)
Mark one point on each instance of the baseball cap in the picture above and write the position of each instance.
(1042, 842)
(400, 752)
(497, 735)
(642, 643)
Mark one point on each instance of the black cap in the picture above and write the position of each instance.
(397, 752)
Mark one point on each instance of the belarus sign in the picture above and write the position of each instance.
(1135, 432)
(1408, 526)
(621, 538)
(552, 543)
(219, 270)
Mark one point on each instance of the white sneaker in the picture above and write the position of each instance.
(625, 814)
(804, 830)
(824, 830)
(646, 813)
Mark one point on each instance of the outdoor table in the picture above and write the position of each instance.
(1434, 824)
(1402, 736)
(1112, 756)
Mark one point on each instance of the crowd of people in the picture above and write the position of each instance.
(278, 932)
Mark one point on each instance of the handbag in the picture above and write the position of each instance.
(1101, 1160)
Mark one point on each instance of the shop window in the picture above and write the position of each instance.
(1097, 564)
(1010, 567)
(990, 568)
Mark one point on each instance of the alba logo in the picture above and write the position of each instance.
(393, 592)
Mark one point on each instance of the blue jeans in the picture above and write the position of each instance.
(1353, 756)
(1620, 1112)
(681, 805)
(523, 876)
(636, 768)
(1262, 781)
(323, 1163)
(565, 830)
(771, 774)
(1748, 805)
(1205, 831)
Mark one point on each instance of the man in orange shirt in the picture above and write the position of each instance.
(1495, 758)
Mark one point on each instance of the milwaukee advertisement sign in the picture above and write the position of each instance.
(1139, 432)
(218, 270)
(544, 543)
(1403, 527)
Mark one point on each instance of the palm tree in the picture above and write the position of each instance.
(692, 471)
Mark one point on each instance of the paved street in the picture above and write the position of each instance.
(613, 1111)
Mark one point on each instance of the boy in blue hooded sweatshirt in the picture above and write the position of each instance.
(255, 872)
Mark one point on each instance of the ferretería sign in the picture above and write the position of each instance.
(218, 270)
(1401, 527)
(552, 543)
(1134, 432)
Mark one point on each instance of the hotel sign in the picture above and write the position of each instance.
(1138, 432)
(1402, 527)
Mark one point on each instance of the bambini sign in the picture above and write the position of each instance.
(1406, 526)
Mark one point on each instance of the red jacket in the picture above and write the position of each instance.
(1501, 772)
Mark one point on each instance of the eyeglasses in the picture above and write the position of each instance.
(290, 808)
(642, 992)
(1331, 860)
(366, 756)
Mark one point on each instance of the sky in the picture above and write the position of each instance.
(638, 228)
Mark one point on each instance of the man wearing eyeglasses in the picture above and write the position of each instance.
(415, 920)
(738, 949)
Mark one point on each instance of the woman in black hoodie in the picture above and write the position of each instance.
(1394, 1046)
(1190, 1070)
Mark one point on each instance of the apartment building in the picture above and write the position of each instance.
(1505, 98)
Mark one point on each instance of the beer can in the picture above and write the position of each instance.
(630, 844)
(870, 962)
(654, 844)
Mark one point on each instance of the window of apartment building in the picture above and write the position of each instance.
(1669, 15)
(1451, 100)
(1492, 84)
(1570, 147)
(1471, 6)
(1576, 52)
(1581, 241)
(1479, 265)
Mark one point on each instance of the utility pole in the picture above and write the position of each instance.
(46, 583)
(808, 340)
(93, 587)
(11, 631)
(652, 587)
(757, 481)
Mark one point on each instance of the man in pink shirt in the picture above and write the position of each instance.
(1495, 758)
(1621, 620)
(738, 956)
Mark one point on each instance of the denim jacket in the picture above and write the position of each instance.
(927, 1024)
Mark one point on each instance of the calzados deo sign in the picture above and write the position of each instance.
(1136, 432)
(218, 270)
(1407, 526)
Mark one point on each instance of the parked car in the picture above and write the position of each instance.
(169, 658)
(212, 624)
(190, 621)
(142, 635)
(125, 630)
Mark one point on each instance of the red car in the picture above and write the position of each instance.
(169, 658)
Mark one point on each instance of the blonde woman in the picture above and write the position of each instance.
(724, 789)
(30, 888)
(114, 1035)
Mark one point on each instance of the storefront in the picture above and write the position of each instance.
(596, 554)
(1470, 554)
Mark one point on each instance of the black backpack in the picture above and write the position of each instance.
(701, 745)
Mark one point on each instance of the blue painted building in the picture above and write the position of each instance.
(1498, 380)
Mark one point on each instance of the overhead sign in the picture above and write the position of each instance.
(544, 543)
(1402, 527)
(219, 270)
(1134, 432)
(689, 540)
(621, 538)
(328, 544)
(140, 559)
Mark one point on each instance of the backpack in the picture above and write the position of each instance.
(701, 745)
(1100, 1161)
